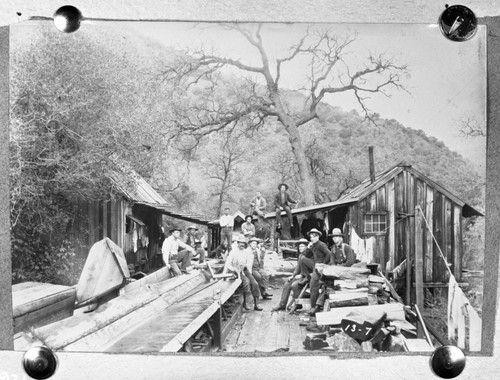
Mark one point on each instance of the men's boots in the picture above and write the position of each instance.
(256, 303)
(245, 300)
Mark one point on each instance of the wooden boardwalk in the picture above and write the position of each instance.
(266, 331)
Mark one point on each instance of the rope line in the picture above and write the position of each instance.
(433, 237)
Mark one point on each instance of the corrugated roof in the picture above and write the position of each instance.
(367, 187)
(135, 188)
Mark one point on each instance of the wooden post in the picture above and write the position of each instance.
(419, 263)
(217, 328)
(372, 165)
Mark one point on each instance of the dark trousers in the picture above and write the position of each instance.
(249, 284)
(288, 212)
(226, 234)
(315, 286)
(306, 266)
(262, 279)
(290, 286)
(183, 258)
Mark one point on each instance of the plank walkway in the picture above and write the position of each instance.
(265, 331)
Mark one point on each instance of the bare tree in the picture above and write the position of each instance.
(258, 96)
(472, 128)
(222, 169)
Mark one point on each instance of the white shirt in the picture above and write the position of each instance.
(238, 259)
(226, 221)
(171, 247)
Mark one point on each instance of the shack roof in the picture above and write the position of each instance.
(135, 189)
(366, 187)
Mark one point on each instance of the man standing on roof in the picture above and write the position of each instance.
(282, 201)
(171, 255)
(343, 254)
(258, 271)
(240, 261)
(226, 222)
(258, 205)
(247, 228)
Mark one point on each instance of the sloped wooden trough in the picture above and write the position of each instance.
(176, 308)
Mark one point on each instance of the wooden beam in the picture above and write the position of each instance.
(335, 316)
(419, 259)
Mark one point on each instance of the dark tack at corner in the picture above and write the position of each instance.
(40, 362)
(67, 19)
(458, 23)
(448, 362)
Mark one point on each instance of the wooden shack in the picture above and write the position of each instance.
(133, 220)
(378, 220)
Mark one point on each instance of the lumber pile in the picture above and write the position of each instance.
(361, 314)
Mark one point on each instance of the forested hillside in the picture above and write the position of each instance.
(78, 100)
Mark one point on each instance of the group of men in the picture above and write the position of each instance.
(258, 205)
(311, 253)
(246, 261)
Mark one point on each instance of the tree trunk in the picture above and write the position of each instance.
(306, 178)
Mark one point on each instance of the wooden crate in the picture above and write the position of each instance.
(37, 304)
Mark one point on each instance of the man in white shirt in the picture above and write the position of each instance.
(226, 222)
(240, 261)
(171, 255)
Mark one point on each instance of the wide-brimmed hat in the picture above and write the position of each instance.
(254, 239)
(248, 216)
(302, 241)
(282, 184)
(242, 239)
(172, 229)
(315, 231)
(192, 227)
(337, 232)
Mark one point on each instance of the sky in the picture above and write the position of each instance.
(446, 80)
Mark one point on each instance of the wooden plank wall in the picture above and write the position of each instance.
(401, 195)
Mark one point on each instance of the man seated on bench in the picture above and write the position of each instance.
(240, 262)
(341, 254)
(172, 257)
(298, 279)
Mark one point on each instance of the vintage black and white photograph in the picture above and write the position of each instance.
(247, 187)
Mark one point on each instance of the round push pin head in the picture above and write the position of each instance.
(448, 362)
(458, 23)
(39, 362)
(67, 19)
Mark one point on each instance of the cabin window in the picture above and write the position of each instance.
(375, 223)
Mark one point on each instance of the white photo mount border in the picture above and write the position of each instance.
(492, 247)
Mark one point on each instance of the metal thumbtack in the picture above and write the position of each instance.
(40, 362)
(448, 362)
(67, 19)
(458, 23)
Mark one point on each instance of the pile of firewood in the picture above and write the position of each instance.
(360, 314)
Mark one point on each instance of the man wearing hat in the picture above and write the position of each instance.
(321, 254)
(258, 271)
(190, 235)
(248, 228)
(258, 205)
(282, 201)
(296, 280)
(240, 261)
(171, 255)
(199, 251)
(343, 254)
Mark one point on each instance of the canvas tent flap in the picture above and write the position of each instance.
(105, 270)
